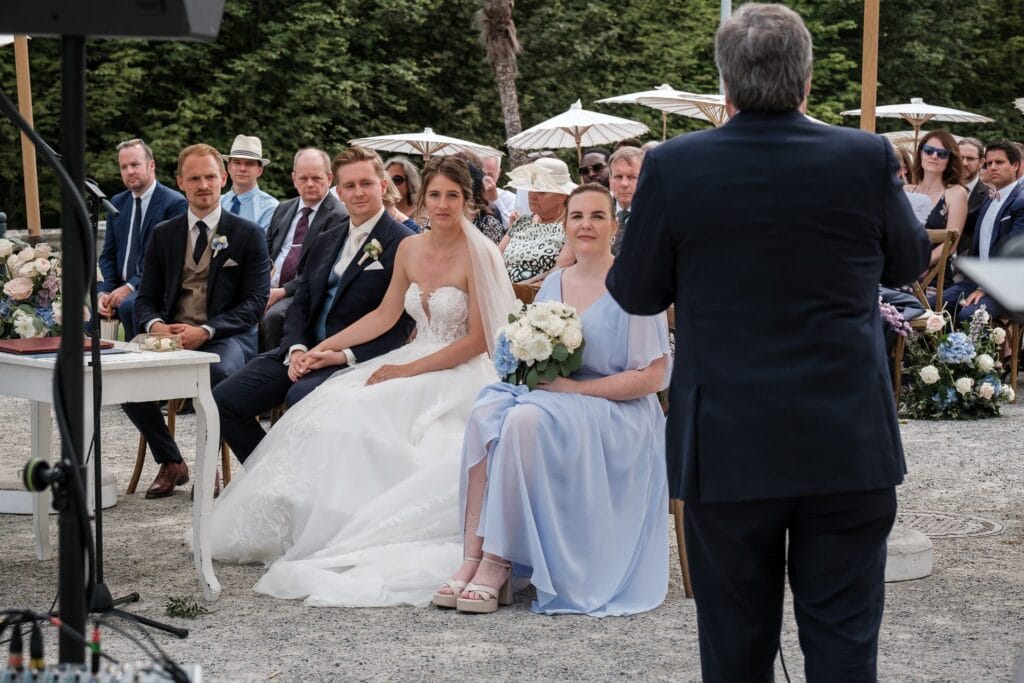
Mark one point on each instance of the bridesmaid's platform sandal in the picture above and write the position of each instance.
(493, 596)
(456, 588)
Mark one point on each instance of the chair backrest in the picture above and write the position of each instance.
(526, 291)
(937, 273)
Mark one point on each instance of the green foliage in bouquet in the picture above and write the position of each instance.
(955, 374)
(540, 343)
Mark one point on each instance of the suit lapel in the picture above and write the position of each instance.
(320, 270)
(289, 216)
(156, 205)
(217, 259)
(175, 261)
(353, 267)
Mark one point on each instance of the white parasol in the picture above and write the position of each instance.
(634, 98)
(1019, 103)
(428, 143)
(709, 108)
(918, 113)
(907, 139)
(575, 128)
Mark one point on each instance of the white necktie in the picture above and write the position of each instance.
(352, 244)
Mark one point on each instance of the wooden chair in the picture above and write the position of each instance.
(935, 274)
(675, 505)
(173, 406)
(1014, 333)
(526, 291)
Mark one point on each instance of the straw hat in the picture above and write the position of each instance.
(543, 175)
(247, 147)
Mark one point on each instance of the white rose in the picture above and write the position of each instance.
(998, 335)
(986, 391)
(540, 348)
(27, 269)
(43, 250)
(520, 338)
(553, 325)
(1007, 393)
(166, 344)
(964, 385)
(25, 325)
(42, 265)
(6, 248)
(572, 337)
(985, 362)
(27, 254)
(58, 315)
(13, 263)
(981, 315)
(935, 323)
(929, 374)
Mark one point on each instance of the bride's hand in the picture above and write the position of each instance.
(561, 385)
(386, 372)
(322, 359)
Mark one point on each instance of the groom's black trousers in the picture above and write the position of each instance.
(836, 565)
(260, 386)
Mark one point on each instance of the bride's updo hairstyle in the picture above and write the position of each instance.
(452, 168)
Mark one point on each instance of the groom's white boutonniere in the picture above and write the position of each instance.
(372, 250)
(218, 243)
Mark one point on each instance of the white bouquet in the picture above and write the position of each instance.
(540, 342)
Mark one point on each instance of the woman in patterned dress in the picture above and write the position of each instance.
(535, 244)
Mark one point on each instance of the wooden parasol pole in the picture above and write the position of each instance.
(28, 152)
(869, 67)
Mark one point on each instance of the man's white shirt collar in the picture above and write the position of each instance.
(212, 219)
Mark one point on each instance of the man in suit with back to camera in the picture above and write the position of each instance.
(141, 206)
(341, 283)
(205, 278)
(245, 166)
(782, 420)
(298, 221)
(999, 218)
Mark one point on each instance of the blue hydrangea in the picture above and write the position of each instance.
(957, 348)
(46, 314)
(944, 398)
(5, 308)
(504, 362)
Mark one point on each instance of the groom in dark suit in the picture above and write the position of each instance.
(144, 203)
(782, 420)
(206, 277)
(341, 283)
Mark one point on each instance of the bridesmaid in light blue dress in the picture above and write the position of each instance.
(567, 482)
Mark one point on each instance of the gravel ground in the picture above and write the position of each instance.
(963, 623)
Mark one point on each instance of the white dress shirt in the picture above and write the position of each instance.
(286, 246)
(988, 222)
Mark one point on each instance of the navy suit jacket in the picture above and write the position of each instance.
(359, 292)
(1009, 223)
(771, 235)
(238, 281)
(331, 214)
(164, 204)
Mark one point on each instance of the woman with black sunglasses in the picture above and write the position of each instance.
(938, 198)
(406, 177)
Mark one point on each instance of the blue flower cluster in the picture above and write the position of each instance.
(504, 362)
(46, 314)
(5, 308)
(944, 399)
(956, 348)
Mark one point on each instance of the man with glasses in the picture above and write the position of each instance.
(245, 166)
(298, 221)
(142, 205)
(999, 218)
(971, 153)
(594, 166)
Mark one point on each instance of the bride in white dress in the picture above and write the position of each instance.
(353, 496)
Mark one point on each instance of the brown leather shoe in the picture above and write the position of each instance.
(171, 474)
(216, 487)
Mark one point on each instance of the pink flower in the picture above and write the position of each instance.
(19, 288)
(43, 265)
(43, 250)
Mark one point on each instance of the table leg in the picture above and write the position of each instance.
(207, 451)
(42, 448)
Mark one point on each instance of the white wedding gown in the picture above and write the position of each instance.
(353, 496)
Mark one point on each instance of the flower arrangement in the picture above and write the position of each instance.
(218, 244)
(30, 305)
(371, 250)
(955, 374)
(540, 342)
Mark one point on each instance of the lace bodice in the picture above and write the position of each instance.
(440, 317)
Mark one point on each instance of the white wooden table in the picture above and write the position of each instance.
(128, 377)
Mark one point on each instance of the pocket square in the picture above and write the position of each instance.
(376, 265)
(229, 263)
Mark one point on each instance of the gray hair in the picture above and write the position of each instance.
(319, 152)
(412, 177)
(764, 55)
(631, 155)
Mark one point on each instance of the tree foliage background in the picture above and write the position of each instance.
(320, 72)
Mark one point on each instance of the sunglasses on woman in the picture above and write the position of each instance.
(935, 151)
(398, 179)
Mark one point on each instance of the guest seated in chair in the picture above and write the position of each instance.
(142, 205)
(549, 476)
(298, 221)
(535, 244)
(340, 284)
(205, 277)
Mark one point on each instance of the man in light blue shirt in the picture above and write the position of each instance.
(245, 165)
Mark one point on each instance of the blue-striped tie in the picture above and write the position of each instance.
(236, 206)
(333, 284)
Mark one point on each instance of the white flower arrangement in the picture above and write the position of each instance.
(30, 291)
(218, 244)
(541, 342)
(371, 250)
